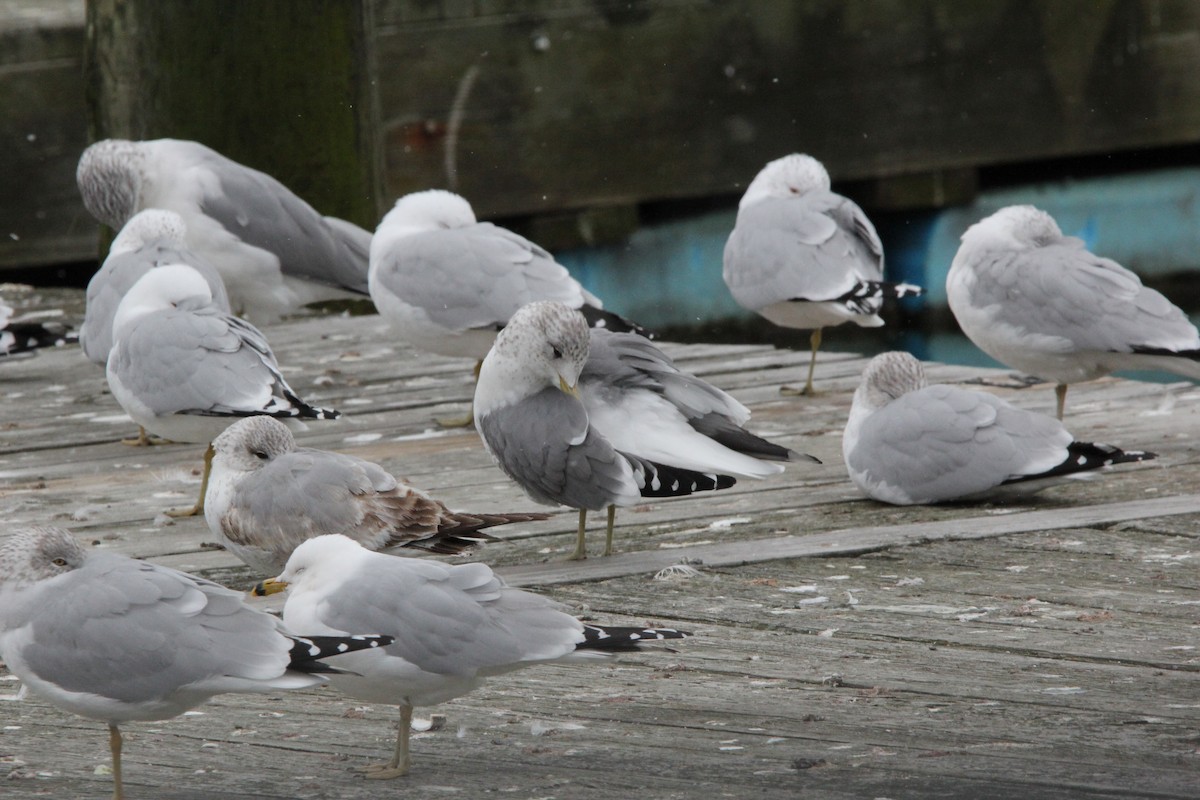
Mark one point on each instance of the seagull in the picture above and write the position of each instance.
(596, 419)
(274, 252)
(447, 283)
(805, 257)
(22, 337)
(909, 443)
(116, 639)
(150, 239)
(453, 625)
(266, 496)
(183, 369)
(1040, 302)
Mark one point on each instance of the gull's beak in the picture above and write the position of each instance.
(268, 587)
(568, 388)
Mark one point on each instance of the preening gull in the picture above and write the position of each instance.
(275, 253)
(150, 239)
(115, 639)
(607, 429)
(1039, 302)
(447, 283)
(23, 336)
(805, 257)
(454, 626)
(909, 443)
(266, 496)
(184, 369)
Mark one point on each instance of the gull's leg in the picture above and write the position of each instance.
(469, 418)
(398, 766)
(1060, 391)
(808, 391)
(114, 745)
(144, 439)
(580, 548)
(612, 516)
(198, 509)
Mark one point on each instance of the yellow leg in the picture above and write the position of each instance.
(114, 745)
(1060, 392)
(580, 547)
(144, 439)
(398, 766)
(198, 509)
(808, 391)
(612, 516)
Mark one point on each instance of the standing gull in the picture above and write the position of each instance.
(453, 625)
(266, 496)
(804, 257)
(447, 283)
(274, 252)
(184, 369)
(1038, 301)
(607, 429)
(115, 639)
(908, 443)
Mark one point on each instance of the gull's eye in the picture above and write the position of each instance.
(59, 562)
(261, 455)
(556, 352)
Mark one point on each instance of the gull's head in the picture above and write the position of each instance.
(159, 289)
(888, 376)
(251, 443)
(1015, 227)
(431, 210)
(151, 225)
(109, 176)
(791, 175)
(321, 560)
(548, 342)
(37, 553)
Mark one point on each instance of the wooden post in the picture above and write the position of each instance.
(283, 86)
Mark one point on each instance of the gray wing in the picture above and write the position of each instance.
(264, 213)
(115, 277)
(474, 277)
(942, 442)
(191, 360)
(307, 493)
(814, 246)
(450, 620)
(1092, 303)
(137, 632)
(546, 445)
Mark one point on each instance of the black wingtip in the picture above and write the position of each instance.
(599, 318)
(308, 651)
(605, 637)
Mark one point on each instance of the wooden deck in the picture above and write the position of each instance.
(843, 649)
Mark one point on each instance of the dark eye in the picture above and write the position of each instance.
(261, 455)
(59, 562)
(557, 353)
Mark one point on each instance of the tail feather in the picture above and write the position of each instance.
(460, 532)
(1086, 456)
(599, 318)
(307, 651)
(607, 637)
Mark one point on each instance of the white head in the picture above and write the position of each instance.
(793, 174)
(544, 344)
(888, 376)
(320, 560)
(29, 555)
(251, 443)
(1014, 227)
(109, 176)
(159, 289)
(153, 224)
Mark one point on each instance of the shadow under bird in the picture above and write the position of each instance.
(805, 257)
(1040, 302)
(274, 252)
(592, 419)
(910, 443)
(183, 368)
(118, 640)
(266, 496)
(453, 626)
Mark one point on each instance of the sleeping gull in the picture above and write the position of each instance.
(1038, 301)
(184, 369)
(447, 283)
(805, 257)
(115, 639)
(603, 420)
(274, 252)
(454, 626)
(23, 336)
(266, 496)
(909, 443)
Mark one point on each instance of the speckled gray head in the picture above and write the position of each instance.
(890, 375)
(28, 555)
(793, 174)
(251, 443)
(1022, 227)
(549, 339)
(109, 176)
